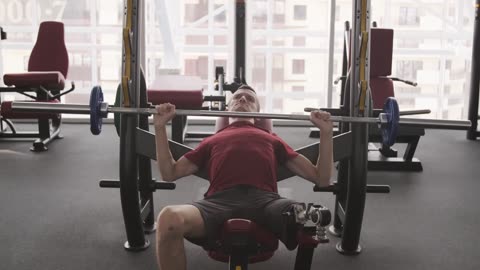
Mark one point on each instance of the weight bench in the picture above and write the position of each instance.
(241, 242)
(47, 70)
(382, 87)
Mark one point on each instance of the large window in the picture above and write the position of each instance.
(287, 46)
(432, 46)
(91, 34)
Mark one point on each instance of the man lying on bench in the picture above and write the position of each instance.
(242, 162)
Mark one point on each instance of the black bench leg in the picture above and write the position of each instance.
(46, 135)
(303, 261)
(410, 150)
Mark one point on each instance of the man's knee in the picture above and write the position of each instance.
(170, 223)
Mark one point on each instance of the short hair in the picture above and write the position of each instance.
(246, 86)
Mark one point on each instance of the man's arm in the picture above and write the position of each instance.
(170, 169)
(321, 173)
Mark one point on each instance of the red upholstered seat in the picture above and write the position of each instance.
(261, 243)
(182, 99)
(48, 62)
(53, 80)
(6, 112)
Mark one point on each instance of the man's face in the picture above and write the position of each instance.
(244, 100)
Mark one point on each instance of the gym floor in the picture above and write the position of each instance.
(55, 216)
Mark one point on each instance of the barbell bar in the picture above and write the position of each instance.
(105, 109)
(381, 119)
(388, 121)
(409, 112)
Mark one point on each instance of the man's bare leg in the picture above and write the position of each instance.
(173, 223)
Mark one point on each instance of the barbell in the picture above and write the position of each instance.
(388, 121)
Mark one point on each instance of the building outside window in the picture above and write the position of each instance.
(298, 66)
(408, 69)
(300, 12)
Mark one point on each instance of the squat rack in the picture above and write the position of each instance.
(136, 184)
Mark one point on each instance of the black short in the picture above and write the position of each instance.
(263, 207)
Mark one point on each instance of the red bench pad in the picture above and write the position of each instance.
(51, 80)
(182, 99)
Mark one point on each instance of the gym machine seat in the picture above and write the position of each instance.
(242, 239)
(47, 71)
(242, 242)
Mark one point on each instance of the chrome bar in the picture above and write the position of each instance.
(436, 123)
(126, 110)
(243, 114)
(409, 112)
(105, 109)
(413, 112)
(50, 107)
(299, 117)
(274, 116)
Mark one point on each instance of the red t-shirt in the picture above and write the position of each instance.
(241, 153)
